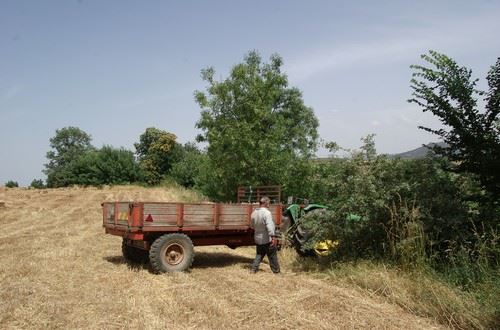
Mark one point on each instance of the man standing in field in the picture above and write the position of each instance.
(264, 230)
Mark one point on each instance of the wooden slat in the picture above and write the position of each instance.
(163, 217)
(230, 227)
(229, 217)
(198, 209)
(160, 209)
(205, 221)
(233, 215)
(160, 224)
(234, 210)
(199, 215)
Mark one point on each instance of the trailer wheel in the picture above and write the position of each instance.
(171, 253)
(134, 254)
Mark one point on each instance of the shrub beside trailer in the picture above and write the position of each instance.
(166, 233)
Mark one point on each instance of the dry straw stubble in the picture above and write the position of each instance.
(59, 270)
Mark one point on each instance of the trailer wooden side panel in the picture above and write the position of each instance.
(159, 215)
(200, 216)
(116, 214)
(138, 218)
(236, 215)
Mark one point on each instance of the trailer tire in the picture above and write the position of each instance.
(133, 254)
(171, 253)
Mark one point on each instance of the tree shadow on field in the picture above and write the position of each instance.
(120, 260)
(218, 259)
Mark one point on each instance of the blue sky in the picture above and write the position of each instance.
(114, 68)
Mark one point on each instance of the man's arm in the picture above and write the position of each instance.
(270, 224)
(252, 220)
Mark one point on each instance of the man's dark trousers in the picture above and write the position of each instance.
(271, 252)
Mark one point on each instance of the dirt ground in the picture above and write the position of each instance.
(59, 270)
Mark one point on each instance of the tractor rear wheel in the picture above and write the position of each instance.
(301, 236)
(299, 239)
(171, 253)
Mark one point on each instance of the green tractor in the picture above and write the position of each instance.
(296, 213)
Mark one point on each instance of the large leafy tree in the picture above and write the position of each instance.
(186, 171)
(257, 128)
(447, 90)
(157, 151)
(107, 165)
(67, 145)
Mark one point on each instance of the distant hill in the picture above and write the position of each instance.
(418, 152)
(412, 154)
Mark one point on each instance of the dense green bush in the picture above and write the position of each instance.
(73, 160)
(107, 165)
(37, 184)
(11, 184)
(186, 171)
(412, 211)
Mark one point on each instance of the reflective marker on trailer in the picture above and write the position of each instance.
(149, 218)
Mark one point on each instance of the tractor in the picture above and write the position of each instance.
(296, 212)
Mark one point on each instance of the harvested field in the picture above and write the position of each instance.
(59, 270)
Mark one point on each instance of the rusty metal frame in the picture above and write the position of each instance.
(245, 196)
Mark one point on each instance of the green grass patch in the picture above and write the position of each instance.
(422, 291)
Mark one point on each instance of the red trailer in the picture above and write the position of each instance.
(166, 233)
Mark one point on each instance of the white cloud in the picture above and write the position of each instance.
(346, 56)
(466, 34)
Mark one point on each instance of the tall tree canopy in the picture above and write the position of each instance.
(257, 128)
(157, 151)
(447, 90)
(67, 145)
(107, 165)
(186, 170)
